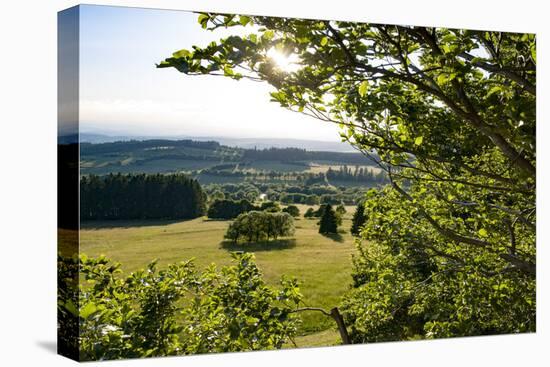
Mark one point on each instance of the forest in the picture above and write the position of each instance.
(432, 235)
(117, 196)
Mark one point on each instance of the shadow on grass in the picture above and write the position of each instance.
(128, 223)
(273, 245)
(337, 237)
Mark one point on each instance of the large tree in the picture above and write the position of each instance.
(451, 116)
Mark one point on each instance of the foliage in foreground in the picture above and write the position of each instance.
(402, 291)
(451, 116)
(179, 310)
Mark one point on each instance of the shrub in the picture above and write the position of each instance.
(292, 210)
(142, 315)
(270, 206)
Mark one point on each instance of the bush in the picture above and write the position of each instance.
(142, 315)
(341, 209)
(292, 210)
(270, 206)
(310, 213)
(294, 198)
(312, 200)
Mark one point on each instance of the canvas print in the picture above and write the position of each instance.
(238, 183)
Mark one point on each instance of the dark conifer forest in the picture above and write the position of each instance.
(140, 196)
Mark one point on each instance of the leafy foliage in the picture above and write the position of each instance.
(292, 210)
(67, 306)
(257, 226)
(270, 206)
(451, 116)
(178, 310)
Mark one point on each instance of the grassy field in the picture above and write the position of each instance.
(322, 264)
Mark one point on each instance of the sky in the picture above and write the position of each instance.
(123, 93)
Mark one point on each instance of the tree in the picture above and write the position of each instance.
(258, 226)
(329, 221)
(228, 209)
(451, 116)
(358, 220)
(312, 200)
(140, 196)
(217, 195)
(310, 213)
(292, 210)
(341, 209)
(270, 206)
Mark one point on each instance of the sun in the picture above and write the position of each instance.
(287, 63)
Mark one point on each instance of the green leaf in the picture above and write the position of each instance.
(418, 140)
(268, 35)
(70, 306)
(494, 90)
(534, 52)
(181, 53)
(88, 310)
(203, 20)
(363, 88)
(324, 41)
(244, 20)
(442, 78)
(228, 71)
(482, 232)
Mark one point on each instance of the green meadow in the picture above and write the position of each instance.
(322, 264)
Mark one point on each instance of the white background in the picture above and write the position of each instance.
(28, 129)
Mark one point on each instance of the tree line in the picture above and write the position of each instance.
(151, 144)
(140, 196)
(297, 154)
(360, 174)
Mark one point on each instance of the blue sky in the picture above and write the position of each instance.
(121, 91)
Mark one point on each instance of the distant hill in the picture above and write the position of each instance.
(163, 155)
(246, 143)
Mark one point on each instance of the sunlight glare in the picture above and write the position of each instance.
(287, 63)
